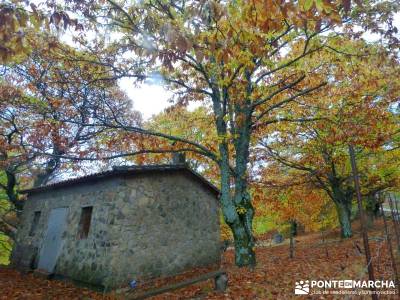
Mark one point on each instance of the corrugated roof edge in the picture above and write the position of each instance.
(125, 170)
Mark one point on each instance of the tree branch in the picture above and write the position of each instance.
(287, 100)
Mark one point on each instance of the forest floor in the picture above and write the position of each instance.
(274, 276)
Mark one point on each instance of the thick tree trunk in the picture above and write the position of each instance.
(344, 215)
(239, 219)
(343, 200)
(244, 251)
(369, 218)
(10, 189)
(43, 177)
(244, 241)
(235, 199)
(8, 229)
(11, 192)
(371, 209)
(238, 211)
(244, 207)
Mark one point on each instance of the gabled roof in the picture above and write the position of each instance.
(121, 171)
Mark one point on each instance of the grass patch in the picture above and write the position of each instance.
(263, 224)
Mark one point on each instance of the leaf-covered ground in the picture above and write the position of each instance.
(273, 278)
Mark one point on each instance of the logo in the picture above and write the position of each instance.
(302, 288)
(344, 287)
(348, 284)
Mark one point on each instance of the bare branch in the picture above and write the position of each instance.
(278, 91)
(287, 100)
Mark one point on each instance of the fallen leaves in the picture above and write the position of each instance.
(274, 276)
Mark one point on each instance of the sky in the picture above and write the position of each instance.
(148, 98)
(152, 98)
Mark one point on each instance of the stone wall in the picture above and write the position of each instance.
(147, 225)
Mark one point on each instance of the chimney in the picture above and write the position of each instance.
(178, 158)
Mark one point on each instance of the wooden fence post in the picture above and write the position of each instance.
(394, 221)
(362, 220)
(389, 243)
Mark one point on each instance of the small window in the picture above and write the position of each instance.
(84, 223)
(35, 222)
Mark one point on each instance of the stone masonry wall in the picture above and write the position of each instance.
(147, 225)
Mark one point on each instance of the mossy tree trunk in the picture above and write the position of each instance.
(344, 215)
(343, 201)
(238, 214)
(371, 208)
(235, 198)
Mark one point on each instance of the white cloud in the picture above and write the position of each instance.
(150, 98)
(147, 98)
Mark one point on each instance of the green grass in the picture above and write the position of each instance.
(263, 224)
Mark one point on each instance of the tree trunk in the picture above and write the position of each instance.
(244, 241)
(238, 218)
(244, 251)
(293, 233)
(369, 218)
(245, 212)
(239, 222)
(371, 209)
(344, 214)
(343, 201)
(11, 191)
(235, 199)
(8, 229)
(44, 175)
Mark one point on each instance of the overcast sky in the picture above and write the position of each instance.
(149, 99)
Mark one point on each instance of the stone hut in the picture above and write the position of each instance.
(126, 224)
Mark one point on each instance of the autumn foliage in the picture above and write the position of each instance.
(281, 88)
